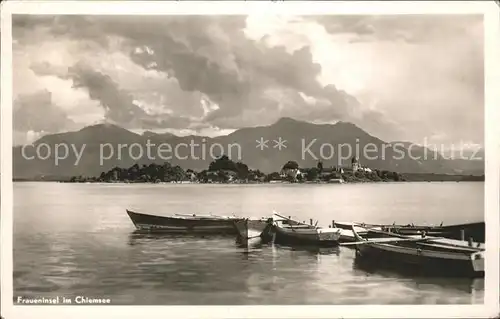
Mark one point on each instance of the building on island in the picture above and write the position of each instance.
(355, 164)
(355, 167)
(333, 174)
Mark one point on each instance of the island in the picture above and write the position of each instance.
(223, 170)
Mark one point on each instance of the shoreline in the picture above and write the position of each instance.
(225, 171)
(244, 183)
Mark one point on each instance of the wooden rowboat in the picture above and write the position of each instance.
(254, 231)
(458, 232)
(346, 234)
(408, 229)
(184, 223)
(291, 232)
(425, 254)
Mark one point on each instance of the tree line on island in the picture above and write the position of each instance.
(224, 170)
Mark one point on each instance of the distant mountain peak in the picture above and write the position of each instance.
(287, 120)
(151, 134)
(348, 124)
(291, 130)
(106, 131)
(102, 126)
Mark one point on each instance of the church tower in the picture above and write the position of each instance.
(355, 164)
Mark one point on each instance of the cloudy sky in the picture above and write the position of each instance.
(398, 77)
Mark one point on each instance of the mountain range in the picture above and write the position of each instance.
(303, 142)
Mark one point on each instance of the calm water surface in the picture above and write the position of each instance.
(76, 239)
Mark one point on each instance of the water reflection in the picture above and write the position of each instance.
(254, 243)
(141, 237)
(251, 253)
(77, 240)
(316, 250)
(469, 285)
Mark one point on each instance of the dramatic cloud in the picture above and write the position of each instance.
(216, 73)
(413, 28)
(37, 113)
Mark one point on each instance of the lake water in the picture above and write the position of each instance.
(76, 239)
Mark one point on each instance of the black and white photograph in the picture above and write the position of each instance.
(249, 158)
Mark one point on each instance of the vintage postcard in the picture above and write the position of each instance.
(250, 159)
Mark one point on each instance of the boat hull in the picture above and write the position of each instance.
(307, 236)
(458, 232)
(253, 231)
(406, 230)
(421, 261)
(474, 230)
(346, 236)
(425, 256)
(182, 225)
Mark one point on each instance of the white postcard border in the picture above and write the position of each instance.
(492, 169)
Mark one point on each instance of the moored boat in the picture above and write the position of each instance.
(254, 231)
(459, 232)
(291, 232)
(408, 229)
(424, 254)
(346, 234)
(184, 223)
(466, 231)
